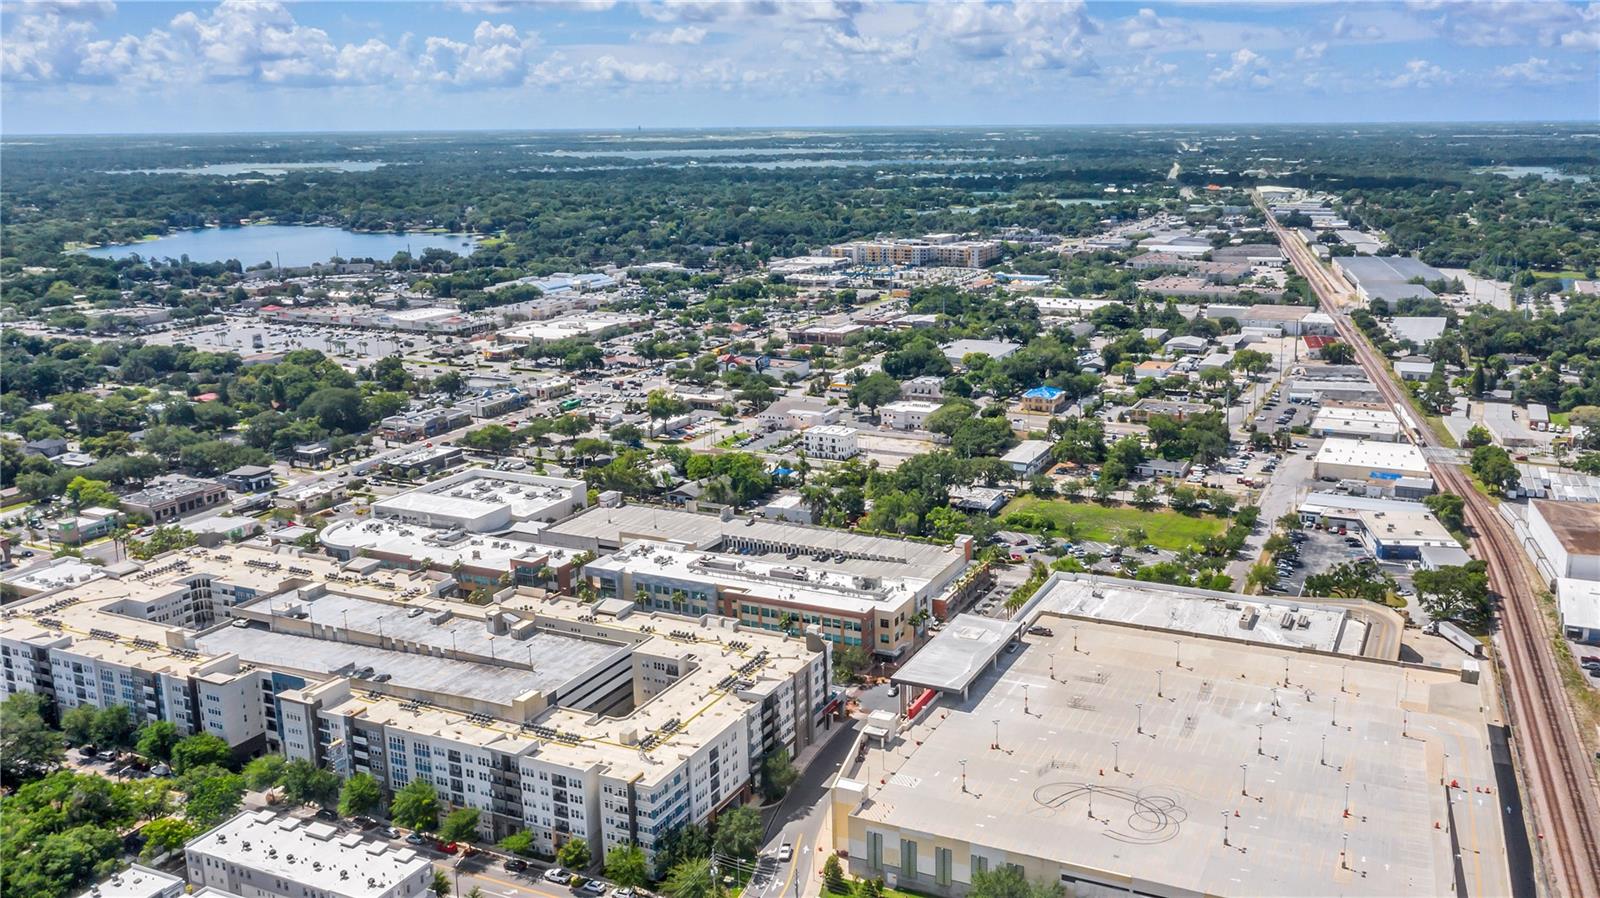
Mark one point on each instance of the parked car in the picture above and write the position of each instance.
(415, 838)
(327, 814)
(516, 865)
(391, 832)
(593, 887)
(161, 770)
(1041, 631)
(557, 875)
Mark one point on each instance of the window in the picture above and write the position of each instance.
(942, 864)
(875, 850)
(980, 864)
(908, 859)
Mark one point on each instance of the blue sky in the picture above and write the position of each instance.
(257, 65)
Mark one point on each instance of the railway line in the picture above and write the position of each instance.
(1558, 775)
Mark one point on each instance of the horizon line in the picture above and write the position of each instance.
(815, 127)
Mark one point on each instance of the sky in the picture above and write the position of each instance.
(97, 66)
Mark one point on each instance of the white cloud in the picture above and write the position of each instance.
(1538, 70)
(1507, 23)
(1246, 68)
(1421, 74)
(683, 35)
(1037, 34)
(1346, 30)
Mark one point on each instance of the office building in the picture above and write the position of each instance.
(248, 479)
(907, 414)
(137, 881)
(1029, 457)
(1356, 423)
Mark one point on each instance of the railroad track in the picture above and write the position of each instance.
(1559, 778)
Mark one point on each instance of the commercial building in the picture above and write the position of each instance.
(1568, 535)
(1141, 411)
(830, 441)
(1029, 457)
(1292, 320)
(957, 350)
(586, 326)
(1418, 330)
(569, 719)
(214, 530)
(1374, 463)
(1392, 530)
(311, 495)
(90, 524)
(417, 425)
(1145, 759)
(907, 414)
(483, 500)
(172, 496)
(1356, 423)
(798, 413)
(248, 479)
(1044, 400)
(260, 853)
(825, 334)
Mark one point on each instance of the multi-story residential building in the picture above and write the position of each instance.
(262, 854)
(932, 249)
(907, 414)
(606, 722)
(831, 441)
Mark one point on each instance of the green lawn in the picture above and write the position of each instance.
(1164, 529)
(1562, 418)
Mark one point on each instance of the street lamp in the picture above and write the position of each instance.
(1244, 780)
(1116, 756)
(1140, 709)
(996, 733)
(963, 775)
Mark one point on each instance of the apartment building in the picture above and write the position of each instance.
(831, 441)
(931, 249)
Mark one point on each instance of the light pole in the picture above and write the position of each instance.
(1177, 653)
(1324, 759)
(1260, 732)
(963, 775)
(1052, 666)
(1116, 756)
(1140, 709)
(1244, 780)
(1159, 693)
(1025, 698)
(1225, 828)
(1074, 639)
(996, 734)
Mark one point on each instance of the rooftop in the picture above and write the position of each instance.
(1124, 777)
(1376, 455)
(315, 853)
(137, 882)
(1575, 524)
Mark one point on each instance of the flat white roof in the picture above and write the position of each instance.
(137, 882)
(313, 854)
(1580, 602)
(1375, 455)
(1028, 451)
(952, 660)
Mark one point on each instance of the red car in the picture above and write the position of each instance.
(446, 847)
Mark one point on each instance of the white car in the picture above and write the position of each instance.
(785, 852)
(558, 875)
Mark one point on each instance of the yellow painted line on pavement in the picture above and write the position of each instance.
(794, 867)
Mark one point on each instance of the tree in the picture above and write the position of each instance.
(875, 390)
(778, 774)
(264, 772)
(833, 876)
(1494, 467)
(1449, 508)
(1339, 354)
(85, 493)
(495, 438)
(157, 739)
(166, 834)
(627, 867)
(681, 843)
(441, 884)
(359, 795)
(848, 662)
(416, 806)
(1459, 592)
(77, 725)
(200, 749)
(573, 854)
(519, 842)
(304, 782)
(28, 747)
(661, 404)
(460, 825)
(738, 832)
(1009, 882)
(113, 727)
(1351, 580)
(1477, 435)
(692, 878)
(214, 798)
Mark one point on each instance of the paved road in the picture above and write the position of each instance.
(798, 818)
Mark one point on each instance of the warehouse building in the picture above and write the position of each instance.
(1580, 609)
(1356, 424)
(1384, 467)
(1568, 535)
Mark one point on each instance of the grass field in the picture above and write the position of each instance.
(1562, 418)
(1163, 529)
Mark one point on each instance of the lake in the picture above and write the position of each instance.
(254, 168)
(1543, 171)
(292, 246)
